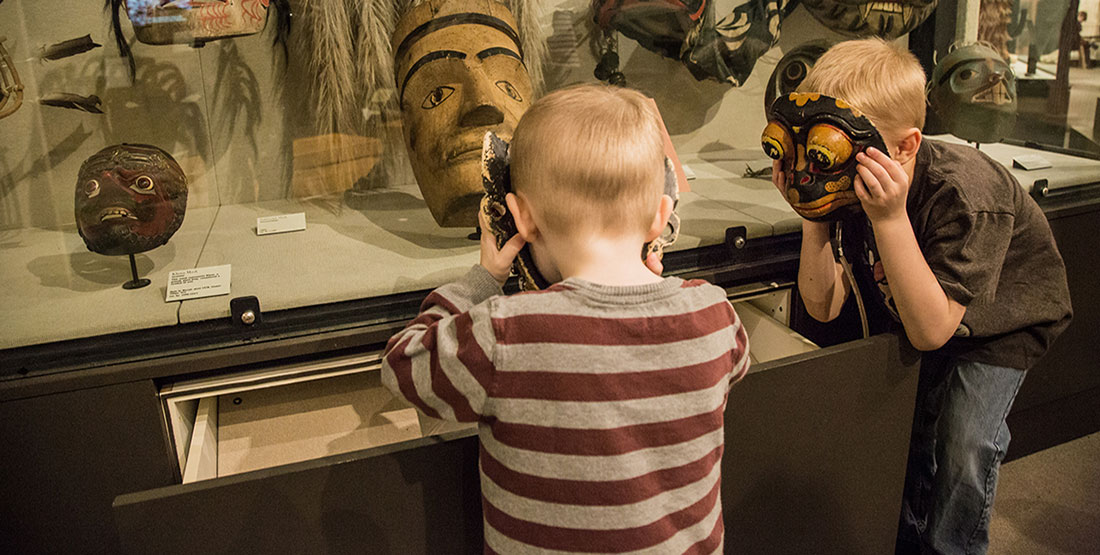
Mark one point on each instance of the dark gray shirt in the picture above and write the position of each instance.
(989, 245)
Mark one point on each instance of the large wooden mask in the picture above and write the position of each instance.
(459, 72)
(195, 21)
(973, 93)
(817, 137)
(129, 198)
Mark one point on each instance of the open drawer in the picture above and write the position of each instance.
(816, 443)
(263, 418)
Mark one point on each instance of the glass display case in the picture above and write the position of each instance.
(292, 176)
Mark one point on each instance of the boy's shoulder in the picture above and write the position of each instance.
(671, 295)
(963, 176)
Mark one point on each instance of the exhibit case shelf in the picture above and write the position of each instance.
(215, 213)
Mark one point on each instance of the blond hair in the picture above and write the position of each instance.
(590, 157)
(881, 79)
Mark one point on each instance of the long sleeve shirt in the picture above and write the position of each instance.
(599, 408)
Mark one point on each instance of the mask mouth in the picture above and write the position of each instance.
(824, 205)
(996, 94)
(115, 213)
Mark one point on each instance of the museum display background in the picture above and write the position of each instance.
(240, 124)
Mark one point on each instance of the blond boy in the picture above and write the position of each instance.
(964, 260)
(600, 400)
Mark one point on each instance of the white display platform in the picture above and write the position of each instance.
(55, 289)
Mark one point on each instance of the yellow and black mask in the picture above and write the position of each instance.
(817, 137)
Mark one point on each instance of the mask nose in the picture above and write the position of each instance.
(481, 115)
(478, 109)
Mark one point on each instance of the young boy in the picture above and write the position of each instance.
(600, 400)
(966, 263)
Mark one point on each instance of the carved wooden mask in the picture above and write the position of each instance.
(973, 93)
(129, 198)
(459, 72)
(195, 21)
(817, 137)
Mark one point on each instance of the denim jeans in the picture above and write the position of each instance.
(958, 442)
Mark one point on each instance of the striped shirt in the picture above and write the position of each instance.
(599, 408)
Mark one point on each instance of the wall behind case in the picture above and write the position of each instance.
(231, 111)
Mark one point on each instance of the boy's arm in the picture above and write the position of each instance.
(821, 282)
(740, 351)
(929, 316)
(442, 361)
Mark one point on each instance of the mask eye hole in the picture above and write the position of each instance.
(437, 96)
(509, 90)
(967, 74)
(91, 188)
(143, 185)
(777, 142)
(828, 147)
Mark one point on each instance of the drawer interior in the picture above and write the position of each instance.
(254, 420)
(765, 317)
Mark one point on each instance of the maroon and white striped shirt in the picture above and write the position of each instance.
(599, 408)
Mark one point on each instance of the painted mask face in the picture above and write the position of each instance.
(460, 73)
(817, 138)
(792, 69)
(129, 199)
(195, 21)
(11, 88)
(860, 18)
(973, 93)
(723, 50)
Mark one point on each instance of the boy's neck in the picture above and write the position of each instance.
(603, 260)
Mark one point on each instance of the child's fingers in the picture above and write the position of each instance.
(893, 168)
(511, 249)
(882, 177)
(777, 176)
(870, 182)
(861, 189)
(653, 262)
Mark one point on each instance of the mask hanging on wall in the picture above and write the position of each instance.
(792, 69)
(11, 88)
(817, 137)
(973, 93)
(459, 67)
(725, 50)
(859, 18)
(497, 182)
(130, 198)
(195, 21)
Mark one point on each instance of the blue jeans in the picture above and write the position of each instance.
(958, 442)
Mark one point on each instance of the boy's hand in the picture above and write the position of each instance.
(653, 262)
(497, 261)
(778, 179)
(881, 186)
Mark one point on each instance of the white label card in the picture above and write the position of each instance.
(281, 223)
(198, 283)
(1031, 162)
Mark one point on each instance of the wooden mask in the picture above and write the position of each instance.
(195, 21)
(129, 198)
(817, 137)
(864, 18)
(792, 69)
(973, 93)
(460, 73)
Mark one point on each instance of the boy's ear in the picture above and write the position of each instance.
(521, 213)
(908, 145)
(660, 219)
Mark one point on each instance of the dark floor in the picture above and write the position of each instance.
(1049, 502)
